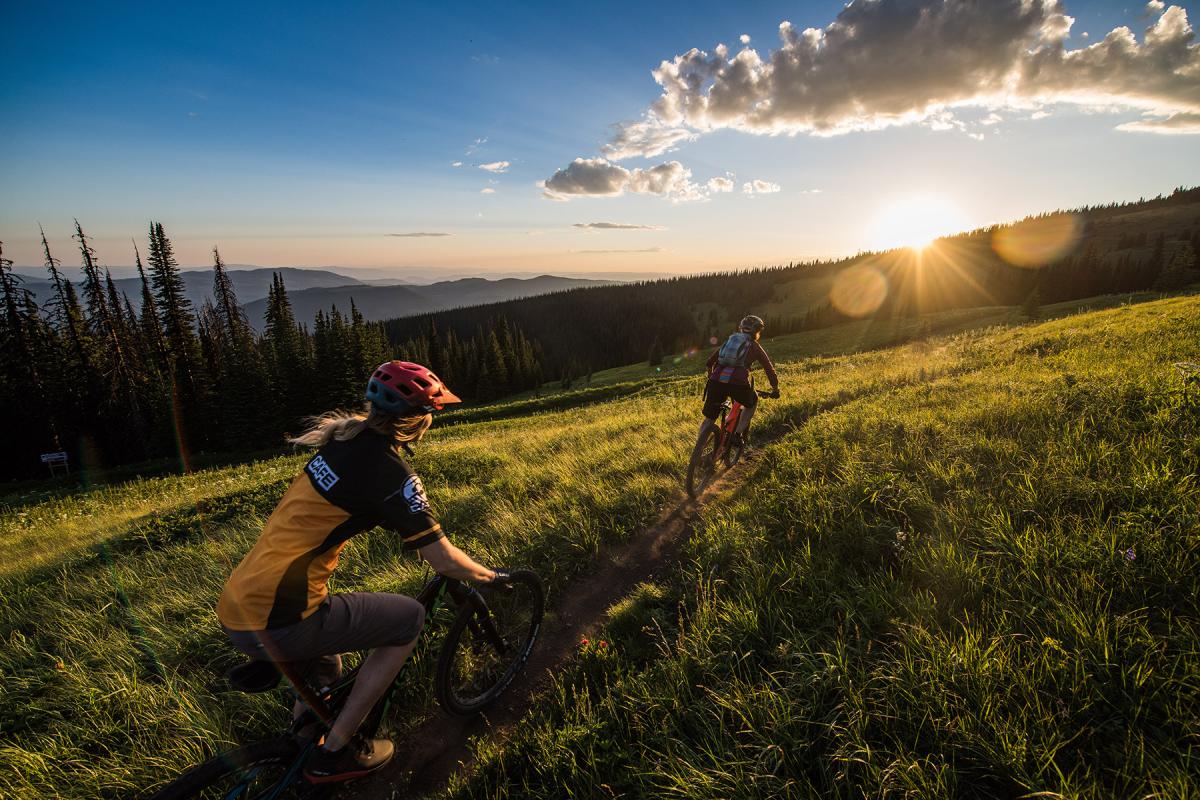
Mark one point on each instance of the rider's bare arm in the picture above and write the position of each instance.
(448, 560)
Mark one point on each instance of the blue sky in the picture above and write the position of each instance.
(305, 134)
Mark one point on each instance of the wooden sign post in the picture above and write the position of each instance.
(56, 460)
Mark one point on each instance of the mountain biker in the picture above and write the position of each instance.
(276, 606)
(729, 375)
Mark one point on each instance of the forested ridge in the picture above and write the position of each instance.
(86, 373)
(1120, 248)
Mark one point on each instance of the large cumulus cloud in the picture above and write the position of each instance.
(894, 62)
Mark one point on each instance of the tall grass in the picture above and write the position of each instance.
(982, 584)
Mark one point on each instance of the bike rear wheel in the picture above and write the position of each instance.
(268, 768)
(489, 643)
(703, 464)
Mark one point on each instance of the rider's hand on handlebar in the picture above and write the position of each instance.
(501, 580)
(774, 394)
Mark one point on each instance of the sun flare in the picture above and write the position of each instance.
(915, 221)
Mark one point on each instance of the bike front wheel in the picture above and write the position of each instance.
(489, 643)
(264, 769)
(703, 463)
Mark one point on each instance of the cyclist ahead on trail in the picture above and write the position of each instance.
(276, 605)
(729, 374)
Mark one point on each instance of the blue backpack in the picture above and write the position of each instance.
(735, 351)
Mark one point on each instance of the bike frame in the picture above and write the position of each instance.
(431, 597)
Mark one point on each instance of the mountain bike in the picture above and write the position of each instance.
(720, 445)
(486, 646)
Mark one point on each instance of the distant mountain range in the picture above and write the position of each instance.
(311, 290)
(389, 302)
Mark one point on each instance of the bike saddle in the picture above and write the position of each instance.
(254, 677)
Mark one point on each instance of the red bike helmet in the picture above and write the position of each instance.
(400, 387)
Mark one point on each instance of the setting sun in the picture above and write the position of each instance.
(915, 221)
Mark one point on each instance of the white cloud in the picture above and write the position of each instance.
(744, 38)
(496, 166)
(1174, 124)
(884, 63)
(597, 176)
(1155, 6)
(611, 252)
(646, 138)
(717, 185)
(475, 145)
(617, 226)
(487, 190)
(759, 187)
(456, 163)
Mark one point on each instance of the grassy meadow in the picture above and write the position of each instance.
(982, 582)
(967, 566)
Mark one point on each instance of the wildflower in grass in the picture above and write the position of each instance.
(1131, 555)
(583, 642)
(602, 644)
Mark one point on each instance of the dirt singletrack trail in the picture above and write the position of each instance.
(440, 747)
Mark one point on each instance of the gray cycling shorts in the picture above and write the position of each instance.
(343, 623)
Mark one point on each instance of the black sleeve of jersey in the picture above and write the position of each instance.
(403, 506)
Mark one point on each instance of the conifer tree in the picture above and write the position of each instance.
(188, 385)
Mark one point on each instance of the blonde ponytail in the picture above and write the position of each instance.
(343, 426)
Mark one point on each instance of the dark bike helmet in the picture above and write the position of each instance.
(751, 324)
(402, 387)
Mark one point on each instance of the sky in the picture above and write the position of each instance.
(605, 138)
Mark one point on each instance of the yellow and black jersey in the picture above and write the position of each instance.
(346, 488)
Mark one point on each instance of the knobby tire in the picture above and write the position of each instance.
(702, 465)
(471, 672)
(249, 772)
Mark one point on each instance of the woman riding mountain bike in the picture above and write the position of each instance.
(275, 606)
(729, 376)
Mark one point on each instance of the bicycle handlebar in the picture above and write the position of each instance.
(773, 395)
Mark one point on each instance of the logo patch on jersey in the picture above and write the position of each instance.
(414, 495)
(321, 473)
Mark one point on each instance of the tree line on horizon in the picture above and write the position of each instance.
(581, 331)
(84, 373)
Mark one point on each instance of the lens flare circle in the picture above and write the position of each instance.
(858, 291)
(1035, 243)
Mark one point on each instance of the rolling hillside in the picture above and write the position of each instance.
(965, 565)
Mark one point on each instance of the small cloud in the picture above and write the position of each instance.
(1177, 124)
(599, 177)
(991, 119)
(192, 114)
(475, 145)
(496, 166)
(486, 59)
(487, 190)
(617, 226)
(615, 252)
(1039, 115)
(759, 187)
(716, 185)
(1155, 6)
(456, 163)
(744, 38)
(416, 235)
(1085, 35)
(976, 136)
